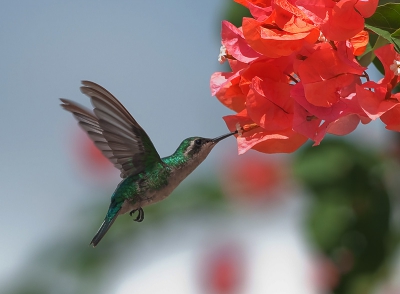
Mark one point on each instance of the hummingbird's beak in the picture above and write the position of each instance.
(216, 140)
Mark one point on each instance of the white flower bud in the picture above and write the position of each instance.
(222, 54)
(395, 67)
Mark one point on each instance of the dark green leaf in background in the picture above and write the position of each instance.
(386, 23)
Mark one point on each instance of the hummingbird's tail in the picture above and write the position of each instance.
(105, 226)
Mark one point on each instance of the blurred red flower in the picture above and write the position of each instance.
(89, 158)
(326, 274)
(253, 179)
(222, 269)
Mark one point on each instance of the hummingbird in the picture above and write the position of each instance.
(146, 177)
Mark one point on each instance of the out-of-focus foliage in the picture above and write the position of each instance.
(235, 12)
(349, 219)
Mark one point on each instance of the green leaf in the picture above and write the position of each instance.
(386, 17)
(386, 35)
(396, 43)
(396, 34)
(386, 23)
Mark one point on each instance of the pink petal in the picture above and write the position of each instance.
(344, 125)
(373, 104)
(236, 45)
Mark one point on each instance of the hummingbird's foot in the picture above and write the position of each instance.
(140, 216)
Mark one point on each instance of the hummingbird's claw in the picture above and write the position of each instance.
(140, 216)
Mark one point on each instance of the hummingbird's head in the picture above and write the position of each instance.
(198, 147)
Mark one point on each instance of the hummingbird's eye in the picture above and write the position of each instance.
(198, 142)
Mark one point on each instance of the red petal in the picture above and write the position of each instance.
(225, 86)
(284, 141)
(258, 8)
(372, 103)
(269, 104)
(316, 10)
(326, 63)
(392, 118)
(324, 74)
(275, 42)
(344, 125)
(343, 22)
(387, 56)
(331, 116)
(304, 122)
(325, 113)
(326, 93)
(366, 8)
(236, 45)
(359, 42)
(266, 68)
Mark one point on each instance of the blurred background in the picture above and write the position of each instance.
(321, 220)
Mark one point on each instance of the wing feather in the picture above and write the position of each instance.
(113, 130)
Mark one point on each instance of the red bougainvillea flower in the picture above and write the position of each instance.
(285, 31)
(269, 104)
(267, 69)
(338, 20)
(325, 73)
(295, 76)
(359, 43)
(225, 86)
(315, 121)
(366, 7)
(390, 60)
(267, 92)
(284, 141)
(376, 103)
(235, 44)
(381, 102)
(391, 118)
(258, 8)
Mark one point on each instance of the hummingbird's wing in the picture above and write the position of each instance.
(114, 131)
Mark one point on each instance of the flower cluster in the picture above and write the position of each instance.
(295, 73)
